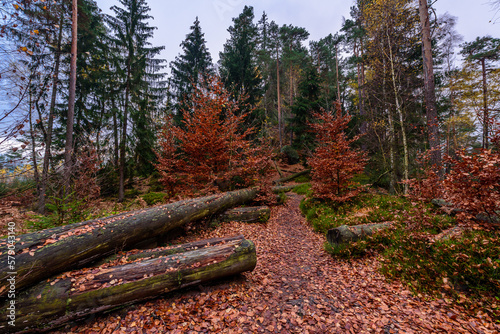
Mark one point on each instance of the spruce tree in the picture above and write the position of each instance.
(141, 81)
(303, 108)
(189, 68)
(238, 64)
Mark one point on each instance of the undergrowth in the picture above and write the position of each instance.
(465, 268)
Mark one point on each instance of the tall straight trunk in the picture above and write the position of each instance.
(337, 73)
(430, 96)
(401, 118)
(68, 149)
(358, 71)
(36, 175)
(98, 135)
(392, 178)
(279, 97)
(48, 140)
(486, 116)
(115, 133)
(121, 189)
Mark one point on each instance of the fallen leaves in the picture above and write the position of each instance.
(295, 288)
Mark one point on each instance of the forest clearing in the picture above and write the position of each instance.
(290, 184)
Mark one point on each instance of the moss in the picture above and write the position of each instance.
(154, 198)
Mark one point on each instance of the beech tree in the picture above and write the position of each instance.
(334, 162)
(211, 148)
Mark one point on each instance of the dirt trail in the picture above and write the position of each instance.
(295, 288)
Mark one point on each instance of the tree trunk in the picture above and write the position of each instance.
(247, 214)
(293, 176)
(68, 149)
(115, 133)
(279, 97)
(344, 233)
(486, 117)
(43, 254)
(76, 295)
(123, 143)
(401, 119)
(48, 140)
(430, 96)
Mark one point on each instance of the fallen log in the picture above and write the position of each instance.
(42, 255)
(293, 176)
(451, 210)
(345, 233)
(284, 189)
(76, 295)
(247, 214)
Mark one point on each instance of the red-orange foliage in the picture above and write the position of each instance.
(473, 183)
(87, 165)
(334, 162)
(426, 186)
(210, 149)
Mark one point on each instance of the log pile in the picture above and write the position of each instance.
(59, 276)
(77, 294)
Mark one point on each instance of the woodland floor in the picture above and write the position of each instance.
(295, 288)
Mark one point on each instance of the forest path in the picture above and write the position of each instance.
(295, 288)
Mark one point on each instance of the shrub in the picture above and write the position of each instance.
(473, 183)
(209, 148)
(291, 155)
(334, 163)
(427, 185)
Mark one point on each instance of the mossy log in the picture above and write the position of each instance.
(45, 254)
(293, 176)
(345, 233)
(76, 295)
(247, 215)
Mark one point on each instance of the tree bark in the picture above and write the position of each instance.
(430, 95)
(247, 215)
(68, 148)
(279, 96)
(123, 143)
(344, 233)
(43, 254)
(75, 295)
(486, 117)
(293, 176)
(401, 118)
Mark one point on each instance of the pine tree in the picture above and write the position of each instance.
(483, 50)
(140, 77)
(238, 64)
(190, 68)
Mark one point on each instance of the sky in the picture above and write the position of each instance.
(320, 18)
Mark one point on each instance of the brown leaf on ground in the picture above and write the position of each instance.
(295, 288)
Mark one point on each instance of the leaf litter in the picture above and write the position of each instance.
(295, 288)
